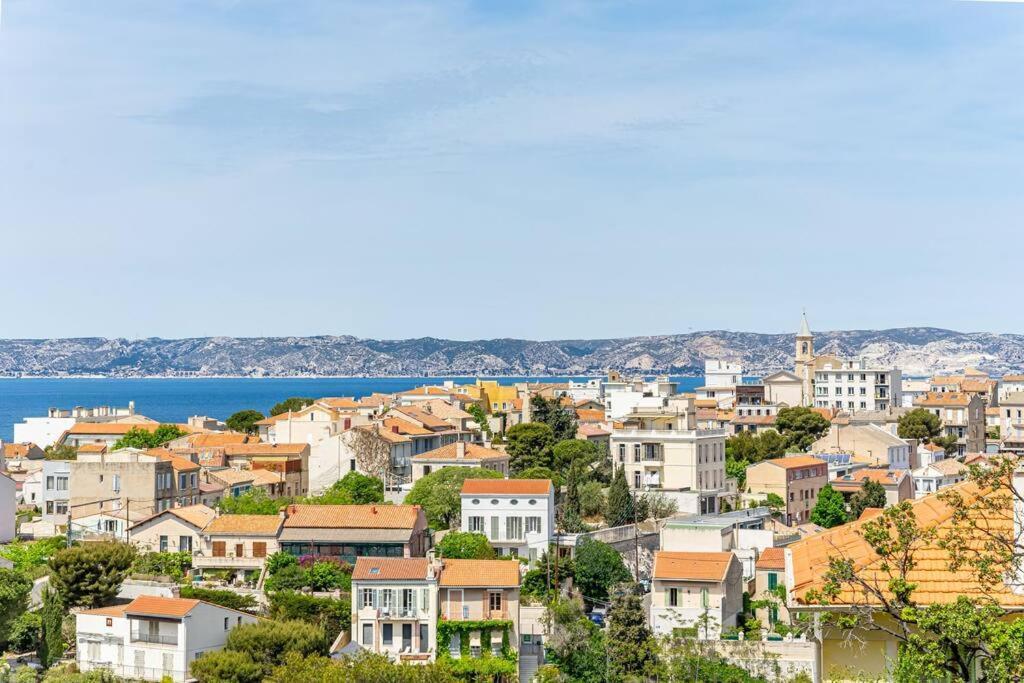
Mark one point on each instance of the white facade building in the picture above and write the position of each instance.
(8, 508)
(153, 638)
(394, 607)
(852, 385)
(42, 431)
(516, 515)
(621, 397)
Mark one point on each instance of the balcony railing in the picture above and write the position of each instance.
(160, 638)
(487, 614)
(230, 560)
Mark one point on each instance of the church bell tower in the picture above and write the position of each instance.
(805, 360)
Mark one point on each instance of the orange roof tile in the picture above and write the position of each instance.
(488, 573)
(423, 416)
(949, 398)
(244, 525)
(589, 415)
(855, 480)
(403, 427)
(178, 464)
(339, 402)
(792, 461)
(507, 487)
(450, 452)
(936, 583)
(390, 568)
(771, 558)
(112, 611)
(212, 440)
(93, 448)
(352, 516)
(693, 566)
(196, 515)
(258, 449)
(160, 607)
(115, 428)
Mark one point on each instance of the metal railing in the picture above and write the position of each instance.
(160, 638)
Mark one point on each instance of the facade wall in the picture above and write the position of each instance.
(147, 536)
(55, 491)
(42, 431)
(370, 617)
(492, 512)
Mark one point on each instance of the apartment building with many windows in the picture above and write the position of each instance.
(516, 515)
(853, 385)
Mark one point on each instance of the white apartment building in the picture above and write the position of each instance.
(516, 515)
(913, 389)
(852, 385)
(937, 476)
(664, 451)
(1010, 384)
(720, 381)
(55, 491)
(44, 431)
(621, 397)
(153, 638)
(394, 607)
(1011, 422)
(7, 509)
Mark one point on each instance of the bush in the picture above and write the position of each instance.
(29, 555)
(269, 641)
(229, 599)
(24, 632)
(279, 560)
(325, 575)
(332, 615)
(174, 565)
(14, 590)
(598, 567)
(364, 489)
(227, 666)
(465, 545)
(592, 503)
(252, 502)
(290, 577)
(658, 505)
(91, 575)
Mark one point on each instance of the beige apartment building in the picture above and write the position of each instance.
(239, 543)
(769, 574)
(475, 590)
(962, 415)
(174, 530)
(129, 477)
(796, 479)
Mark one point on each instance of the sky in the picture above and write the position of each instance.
(541, 170)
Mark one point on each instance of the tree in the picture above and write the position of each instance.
(955, 636)
(438, 494)
(575, 645)
(327, 575)
(480, 417)
(51, 632)
(949, 444)
(372, 451)
(631, 645)
(225, 598)
(919, 424)
(364, 667)
(561, 419)
(60, 451)
(574, 450)
(801, 426)
(24, 634)
(658, 506)
(333, 616)
(137, 437)
(770, 444)
(871, 495)
(541, 473)
(252, 502)
(267, 642)
(14, 590)
(529, 444)
(363, 489)
(620, 500)
(592, 503)
(465, 545)
(335, 495)
(775, 502)
(244, 421)
(291, 577)
(91, 575)
(293, 404)
(29, 556)
(737, 469)
(830, 510)
(598, 567)
(226, 666)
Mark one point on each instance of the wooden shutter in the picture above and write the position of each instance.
(219, 548)
(259, 549)
(239, 550)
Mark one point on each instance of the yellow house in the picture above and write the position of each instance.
(497, 398)
(869, 653)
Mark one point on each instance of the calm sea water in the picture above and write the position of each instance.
(173, 400)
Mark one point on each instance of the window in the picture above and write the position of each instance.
(49, 480)
(193, 479)
(673, 597)
(773, 580)
(704, 598)
(163, 544)
(387, 599)
(259, 549)
(185, 544)
(387, 634)
(636, 452)
(408, 600)
(116, 485)
(494, 601)
(225, 623)
(622, 448)
(182, 481)
(494, 528)
(636, 480)
(514, 528)
(424, 637)
(110, 621)
(533, 525)
(367, 634)
(219, 548)
(476, 524)
(367, 597)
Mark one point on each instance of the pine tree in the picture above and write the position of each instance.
(871, 495)
(830, 509)
(631, 644)
(51, 638)
(620, 500)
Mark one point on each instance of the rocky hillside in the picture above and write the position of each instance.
(917, 351)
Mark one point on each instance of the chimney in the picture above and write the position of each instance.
(373, 509)
(394, 429)
(460, 450)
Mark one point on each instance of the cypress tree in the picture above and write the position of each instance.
(630, 641)
(51, 637)
(620, 500)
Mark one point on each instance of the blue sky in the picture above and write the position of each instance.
(528, 169)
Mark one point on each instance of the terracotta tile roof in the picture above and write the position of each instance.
(488, 573)
(507, 487)
(266, 477)
(116, 428)
(112, 611)
(946, 380)
(428, 420)
(270, 449)
(210, 486)
(426, 391)
(273, 418)
(589, 415)
(339, 402)
(386, 434)
(705, 403)
(473, 452)
(949, 398)
(352, 516)
(230, 477)
(754, 420)
(793, 461)
(977, 386)
(855, 480)
(771, 558)
(446, 411)
(1013, 378)
(178, 464)
(693, 566)
(586, 430)
(244, 525)
(160, 607)
(18, 450)
(213, 440)
(948, 467)
(390, 569)
(196, 515)
(93, 448)
(936, 584)
(404, 427)
(932, 447)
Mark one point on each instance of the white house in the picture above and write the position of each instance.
(152, 638)
(394, 607)
(854, 385)
(699, 592)
(937, 476)
(7, 509)
(516, 515)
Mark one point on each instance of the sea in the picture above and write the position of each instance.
(174, 400)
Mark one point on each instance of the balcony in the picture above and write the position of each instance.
(159, 638)
(400, 614)
(227, 561)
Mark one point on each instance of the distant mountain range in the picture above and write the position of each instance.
(916, 350)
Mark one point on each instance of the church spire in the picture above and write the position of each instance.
(805, 330)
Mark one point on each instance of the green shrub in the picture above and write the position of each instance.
(174, 565)
(325, 575)
(279, 560)
(227, 666)
(290, 577)
(224, 598)
(592, 503)
(24, 632)
(332, 615)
